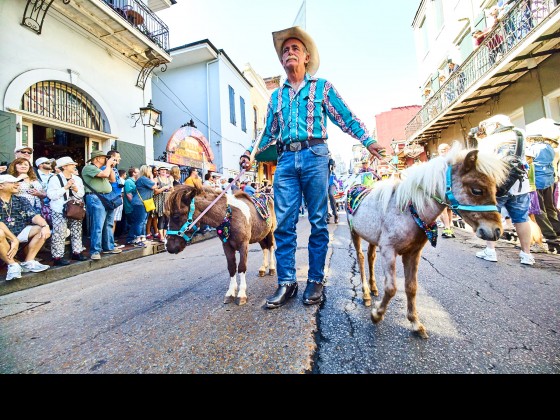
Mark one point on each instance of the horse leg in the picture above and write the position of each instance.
(272, 270)
(389, 259)
(242, 270)
(372, 255)
(360, 254)
(410, 263)
(264, 266)
(231, 294)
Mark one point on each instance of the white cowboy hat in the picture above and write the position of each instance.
(296, 32)
(545, 127)
(63, 161)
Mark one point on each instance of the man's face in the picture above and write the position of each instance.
(100, 161)
(46, 166)
(24, 153)
(10, 187)
(294, 54)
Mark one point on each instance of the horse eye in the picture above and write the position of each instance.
(476, 191)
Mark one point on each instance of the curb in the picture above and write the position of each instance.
(29, 280)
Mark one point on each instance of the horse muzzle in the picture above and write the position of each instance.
(174, 244)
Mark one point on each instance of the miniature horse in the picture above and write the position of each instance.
(466, 180)
(237, 222)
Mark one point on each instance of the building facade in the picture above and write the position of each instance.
(515, 69)
(75, 76)
(204, 86)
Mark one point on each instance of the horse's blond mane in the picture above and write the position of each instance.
(423, 182)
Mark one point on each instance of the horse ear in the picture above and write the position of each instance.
(470, 161)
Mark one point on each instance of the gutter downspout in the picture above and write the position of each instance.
(208, 101)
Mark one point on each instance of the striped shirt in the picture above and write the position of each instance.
(294, 116)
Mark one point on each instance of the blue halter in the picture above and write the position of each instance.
(454, 204)
(186, 227)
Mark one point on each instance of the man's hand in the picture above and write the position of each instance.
(245, 161)
(14, 246)
(45, 232)
(377, 150)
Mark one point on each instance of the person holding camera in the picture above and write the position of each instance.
(60, 188)
(98, 174)
(118, 187)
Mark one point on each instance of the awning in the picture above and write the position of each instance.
(268, 154)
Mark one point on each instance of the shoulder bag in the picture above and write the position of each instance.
(149, 204)
(74, 208)
(110, 200)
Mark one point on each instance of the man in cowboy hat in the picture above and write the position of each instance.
(101, 219)
(297, 118)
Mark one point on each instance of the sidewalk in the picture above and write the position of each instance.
(75, 268)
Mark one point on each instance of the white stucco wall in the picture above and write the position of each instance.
(107, 78)
(234, 141)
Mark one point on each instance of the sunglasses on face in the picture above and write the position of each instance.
(26, 153)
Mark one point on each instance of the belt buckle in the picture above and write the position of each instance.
(295, 147)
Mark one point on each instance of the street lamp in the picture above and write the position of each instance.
(150, 116)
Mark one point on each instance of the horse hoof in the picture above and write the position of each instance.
(422, 332)
(261, 273)
(228, 300)
(367, 302)
(241, 301)
(375, 293)
(272, 272)
(375, 317)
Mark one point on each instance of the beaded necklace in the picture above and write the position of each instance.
(9, 219)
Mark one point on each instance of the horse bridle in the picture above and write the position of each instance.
(455, 206)
(188, 225)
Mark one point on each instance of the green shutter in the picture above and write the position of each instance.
(131, 154)
(7, 136)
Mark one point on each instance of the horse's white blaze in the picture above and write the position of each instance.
(242, 286)
(234, 202)
(232, 291)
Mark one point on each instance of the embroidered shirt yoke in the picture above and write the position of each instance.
(298, 116)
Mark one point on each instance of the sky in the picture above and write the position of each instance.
(366, 47)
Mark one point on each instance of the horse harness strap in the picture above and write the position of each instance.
(455, 205)
(430, 230)
(188, 225)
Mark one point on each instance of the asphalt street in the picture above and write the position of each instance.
(164, 314)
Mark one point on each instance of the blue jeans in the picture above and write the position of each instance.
(307, 172)
(100, 225)
(136, 220)
(517, 207)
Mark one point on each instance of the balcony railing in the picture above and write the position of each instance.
(510, 31)
(143, 19)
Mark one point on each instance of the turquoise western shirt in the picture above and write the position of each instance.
(298, 116)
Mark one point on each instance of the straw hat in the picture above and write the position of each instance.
(63, 161)
(296, 32)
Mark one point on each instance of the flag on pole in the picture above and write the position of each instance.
(300, 19)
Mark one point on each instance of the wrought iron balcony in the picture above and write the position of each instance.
(143, 19)
(517, 38)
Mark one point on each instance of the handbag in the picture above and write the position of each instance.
(149, 203)
(110, 200)
(75, 209)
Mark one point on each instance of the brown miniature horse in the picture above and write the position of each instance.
(385, 220)
(237, 223)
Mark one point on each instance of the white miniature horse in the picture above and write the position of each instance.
(466, 180)
(238, 223)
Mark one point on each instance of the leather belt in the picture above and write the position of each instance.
(299, 145)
